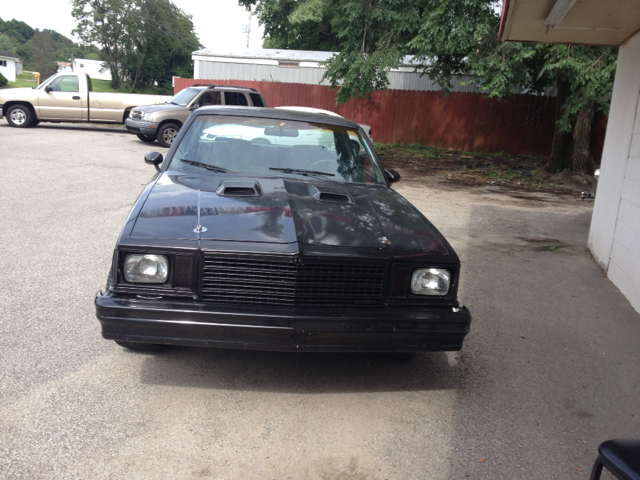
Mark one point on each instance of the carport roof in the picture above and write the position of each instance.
(585, 22)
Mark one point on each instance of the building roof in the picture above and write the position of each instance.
(277, 54)
(586, 22)
(7, 54)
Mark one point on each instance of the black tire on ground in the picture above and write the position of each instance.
(19, 116)
(167, 134)
(146, 138)
(141, 347)
(35, 122)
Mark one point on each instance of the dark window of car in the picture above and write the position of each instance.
(235, 98)
(209, 98)
(256, 99)
(89, 85)
(66, 83)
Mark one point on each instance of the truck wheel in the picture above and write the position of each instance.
(167, 134)
(141, 347)
(146, 138)
(19, 116)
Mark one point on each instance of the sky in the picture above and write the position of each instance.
(218, 23)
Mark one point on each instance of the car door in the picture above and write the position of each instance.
(61, 99)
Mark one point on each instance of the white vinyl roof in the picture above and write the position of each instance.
(276, 54)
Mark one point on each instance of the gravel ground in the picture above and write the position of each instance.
(550, 369)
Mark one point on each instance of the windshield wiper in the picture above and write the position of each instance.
(206, 165)
(301, 172)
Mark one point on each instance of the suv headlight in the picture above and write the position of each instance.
(146, 117)
(140, 268)
(430, 281)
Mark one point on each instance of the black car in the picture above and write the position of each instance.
(278, 230)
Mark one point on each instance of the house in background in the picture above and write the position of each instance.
(10, 65)
(94, 68)
(64, 67)
(614, 238)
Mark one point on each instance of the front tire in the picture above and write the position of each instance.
(167, 134)
(19, 116)
(141, 347)
(146, 138)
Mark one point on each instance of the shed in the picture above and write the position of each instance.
(301, 66)
(614, 237)
(94, 68)
(10, 65)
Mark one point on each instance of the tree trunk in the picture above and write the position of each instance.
(562, 148)
(582, 153)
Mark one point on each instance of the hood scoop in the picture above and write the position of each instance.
(329, 194)
(239, 188)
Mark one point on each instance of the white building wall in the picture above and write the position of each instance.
(9, 71)
(614, 238)
(94, 68)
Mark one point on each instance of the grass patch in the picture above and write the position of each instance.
(23, 80)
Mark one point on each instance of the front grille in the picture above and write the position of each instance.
(136, 115)
(277, 282)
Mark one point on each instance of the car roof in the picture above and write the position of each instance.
(279, 114)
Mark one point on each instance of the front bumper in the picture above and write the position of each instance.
(141, 127)
(287, 329)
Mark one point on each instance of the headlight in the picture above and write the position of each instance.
(147, 117)
(140, 268)
(430, 281)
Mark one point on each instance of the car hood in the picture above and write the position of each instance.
(159, 107)
(283, 210)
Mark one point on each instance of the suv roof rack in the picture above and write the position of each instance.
(238, 86)
(222, 86)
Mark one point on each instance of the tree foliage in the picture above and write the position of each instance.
(19, 38)
(142, 41)
(446, 38)
(296, 25)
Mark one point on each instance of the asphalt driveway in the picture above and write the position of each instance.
(550, 369)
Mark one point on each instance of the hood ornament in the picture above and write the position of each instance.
(384, 240)
(200, 229)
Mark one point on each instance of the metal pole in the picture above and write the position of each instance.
(249, 29)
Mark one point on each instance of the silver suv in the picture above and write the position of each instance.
(162, 122)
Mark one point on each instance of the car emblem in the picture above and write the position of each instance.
(385, 240)
(200, 229)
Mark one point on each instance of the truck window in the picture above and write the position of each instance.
(235, 98)
(66, 83)
(256, 99)
(89, 86)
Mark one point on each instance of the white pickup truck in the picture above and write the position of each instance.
(68, 97)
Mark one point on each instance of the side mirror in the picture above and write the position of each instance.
(194, 107)
(153, 158)
(393, 176)
(48, 89)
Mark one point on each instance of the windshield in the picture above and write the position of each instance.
(184, 97)
(45, 82)
(272, 147)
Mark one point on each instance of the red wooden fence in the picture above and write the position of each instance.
(462, 121)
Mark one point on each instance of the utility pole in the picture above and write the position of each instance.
(249, 28)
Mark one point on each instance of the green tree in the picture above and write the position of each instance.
(296, 25)
(43, 54)
(7, 44)
(459, 37)
(143, 41)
